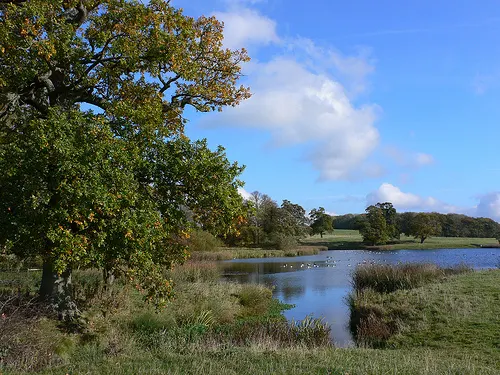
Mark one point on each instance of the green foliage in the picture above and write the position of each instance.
(425, 225)
(283, 242)
(273, 226)
(321, 222)
(200, 240)
(454, 225)
(391, 219)
(246, 253)
(119, 187)
(374, 230)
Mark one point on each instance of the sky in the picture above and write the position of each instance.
(360, 102)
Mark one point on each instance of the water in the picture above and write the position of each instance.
(318, 285)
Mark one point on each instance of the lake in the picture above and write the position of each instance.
(318, 285)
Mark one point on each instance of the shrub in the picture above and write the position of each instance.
(283, 242)
(201, 240)
(255, 299)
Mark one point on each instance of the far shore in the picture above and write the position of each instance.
(344, 239)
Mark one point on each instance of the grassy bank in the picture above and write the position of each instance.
(226, 253)
(424, 307)
(223, 328)
(344, 239)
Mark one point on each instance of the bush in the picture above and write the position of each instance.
(255, 299)
(201, 240)
(284, 242)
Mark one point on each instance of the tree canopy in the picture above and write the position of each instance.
(96, 169)
(321, 222)
(425, 225)
(374, 229)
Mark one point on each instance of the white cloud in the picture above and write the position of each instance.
(351, 70)
(245, 194)
(407, 201)
(300, 106)
(489, 206)
(245, 27)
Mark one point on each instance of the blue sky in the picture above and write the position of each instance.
(364, 101)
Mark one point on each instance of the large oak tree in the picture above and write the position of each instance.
(95, 170)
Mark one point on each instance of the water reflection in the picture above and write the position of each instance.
(318, 285)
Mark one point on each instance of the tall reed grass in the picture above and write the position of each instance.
(370, 323)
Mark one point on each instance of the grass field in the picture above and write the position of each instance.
(344, 239)
(447, 327)
(459, 316)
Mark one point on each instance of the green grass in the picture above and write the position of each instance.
(283, 362)
(459, 315)
(345, 239)
(222, 328)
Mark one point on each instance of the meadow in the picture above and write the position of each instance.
(345, 239)
(446, 322)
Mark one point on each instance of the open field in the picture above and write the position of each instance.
(344, 239)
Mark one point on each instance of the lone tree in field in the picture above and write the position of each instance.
(95, 170)
(321, 222)
(425, 225)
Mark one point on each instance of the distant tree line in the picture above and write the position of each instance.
(381, 224)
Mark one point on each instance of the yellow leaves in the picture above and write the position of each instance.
(129, 235)
(185, 234)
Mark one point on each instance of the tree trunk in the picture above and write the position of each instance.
(321, 234)
(47, 285)
(422, 239)
(56, 290)
(109, 278)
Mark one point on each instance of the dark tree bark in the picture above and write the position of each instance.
(55, 290)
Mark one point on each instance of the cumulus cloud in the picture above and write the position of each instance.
(245, 27)
(301, 106)
(351, 70)
(408, 201)
(489, 206)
